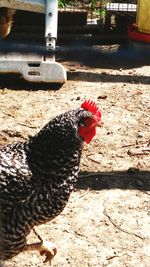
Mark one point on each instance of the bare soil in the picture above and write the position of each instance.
(107, 219)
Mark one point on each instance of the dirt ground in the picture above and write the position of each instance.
(107, 219)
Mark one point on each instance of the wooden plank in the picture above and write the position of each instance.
(28, 5)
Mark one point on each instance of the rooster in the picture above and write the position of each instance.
(38, 175)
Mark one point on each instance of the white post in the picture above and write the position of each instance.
(51, 21)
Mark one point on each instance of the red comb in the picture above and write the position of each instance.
(91, 106)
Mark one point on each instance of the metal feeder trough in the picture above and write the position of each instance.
(34, 67)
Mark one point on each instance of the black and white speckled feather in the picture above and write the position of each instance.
(37, 177)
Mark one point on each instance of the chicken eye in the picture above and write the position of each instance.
(82, 123)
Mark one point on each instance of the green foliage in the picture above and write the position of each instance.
(99, 7)
(64, 3)
(102, 3)
(93, 3)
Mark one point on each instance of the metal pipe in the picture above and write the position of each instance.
(51, 23)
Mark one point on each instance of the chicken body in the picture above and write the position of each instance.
(37, 177)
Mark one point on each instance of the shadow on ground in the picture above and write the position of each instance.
(16, 82)
(110, 56)
(131, 179)
(105, 77)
